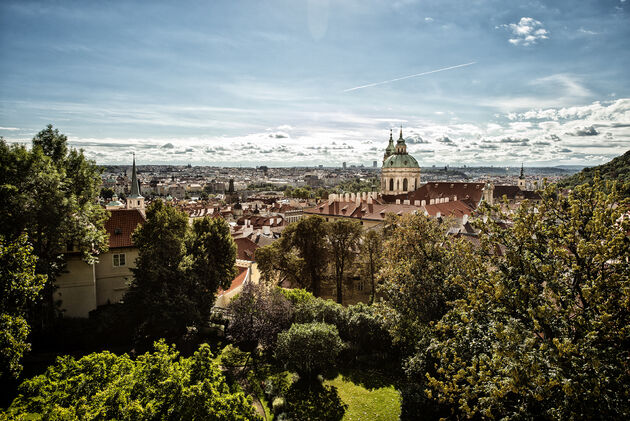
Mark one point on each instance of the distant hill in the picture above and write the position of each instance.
(617, 169)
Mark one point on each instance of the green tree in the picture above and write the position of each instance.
(213, 254)
(343, 237)
(309, 348)
(107, 193)
(20, 286)
(418, 259)
(301, 254)
(259, 313)
(158, 385)
(158, 295)
(371, 249)
(50, 193)
(543, 329)
(178, 271)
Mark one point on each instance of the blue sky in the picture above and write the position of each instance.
(268, 82)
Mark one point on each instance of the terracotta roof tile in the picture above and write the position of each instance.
(236, 282)
(245, 248)
(121, 224)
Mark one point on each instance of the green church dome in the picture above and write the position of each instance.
(401, 161)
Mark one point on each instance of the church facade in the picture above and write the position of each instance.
(400, 173)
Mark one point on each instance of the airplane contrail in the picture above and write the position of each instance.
(408, 77)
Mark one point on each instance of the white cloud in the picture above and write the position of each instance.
(10, 129)
(527, 31)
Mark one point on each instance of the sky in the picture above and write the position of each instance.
(295, 83)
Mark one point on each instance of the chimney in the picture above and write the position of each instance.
(369, 200)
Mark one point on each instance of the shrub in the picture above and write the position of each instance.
(366, 329)
(296, 295)
(309, 348)
(323, 311)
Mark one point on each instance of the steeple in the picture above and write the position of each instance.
(521, 179)
(391, 149)
(135, 199)
(401, 146)
(135, 187)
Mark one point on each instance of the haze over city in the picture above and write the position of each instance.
(286, 83)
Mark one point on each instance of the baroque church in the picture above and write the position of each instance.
(400, 173)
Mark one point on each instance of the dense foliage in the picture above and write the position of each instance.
(309, 348)
(344, 236)
(544, 327)
(259, 313)
(178, 271)
(418, 259)
(20, 286)
(50, 193)
(301, 254)
(157, 385)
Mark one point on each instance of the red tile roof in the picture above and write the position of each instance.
(456, 209)
(236, 282)
(121, 224)
(245, 248)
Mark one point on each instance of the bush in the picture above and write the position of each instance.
(309, 348)
(366, 329)
(323, 311)
(296, 295)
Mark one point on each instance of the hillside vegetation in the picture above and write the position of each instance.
(617, 169)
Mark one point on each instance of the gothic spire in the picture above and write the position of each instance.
(522, 172)
(135, 186)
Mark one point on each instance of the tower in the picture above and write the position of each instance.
(135, 199)
(521, 179)
(400, 173)
(390, 150)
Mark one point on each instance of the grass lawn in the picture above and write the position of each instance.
(377, 404)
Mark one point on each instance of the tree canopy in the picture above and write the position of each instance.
(157, 385)
(20, 287)
(617, 169)
(543, 327)
(178, 271)
(50, 193)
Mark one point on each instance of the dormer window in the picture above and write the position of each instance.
(118, 231)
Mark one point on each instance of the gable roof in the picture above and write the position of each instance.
(121, 224)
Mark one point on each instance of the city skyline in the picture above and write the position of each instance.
(286, 83)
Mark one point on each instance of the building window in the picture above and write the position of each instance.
(119, 260)
(404, 184)
(360, 285)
